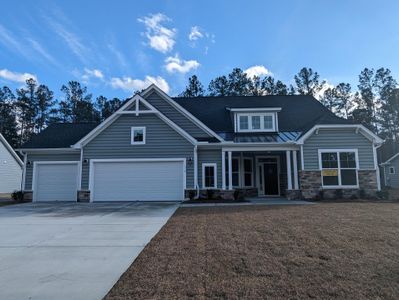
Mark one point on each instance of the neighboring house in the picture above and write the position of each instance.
(10, 168)
(391, 171)
(161, 148)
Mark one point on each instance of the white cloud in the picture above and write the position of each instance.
(195, 33)
(175, 64)
(88, 74)
(159, 37)
(325, 87)
(15, 76)
(257, 71)
(39, 48)
(119, 55)
(129, 84)
(9, 41)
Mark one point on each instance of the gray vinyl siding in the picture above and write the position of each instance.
(74, 156)
(392, 180)
(338, 139)
(177, 117)
(10, 171)
(161, 142)
(210, 156)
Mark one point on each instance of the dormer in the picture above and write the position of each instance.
(264, 119)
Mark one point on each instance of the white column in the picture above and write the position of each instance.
(295, 161)
(289, 178)
(230, 170)
(195, 167)
(377, 168)
(223, 170)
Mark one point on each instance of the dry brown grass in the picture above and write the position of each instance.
(324, 251)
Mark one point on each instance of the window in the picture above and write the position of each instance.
(248, 172)
(138, 136)
(392, 170)
(256, 122)
(244, 122)
(235, 171)
(209, 176)
(338, 168)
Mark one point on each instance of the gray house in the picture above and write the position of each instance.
(10, 168)
(391, 171)
(160, 148)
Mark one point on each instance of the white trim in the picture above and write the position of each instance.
(257, 147)
(289, 175)
(214, 165)
(377, 169)
(255, 109)
(110, 160)
(47, 150)
(11, 150)
(80, 170)
(34, 174)
(195, 167)
(302, 159)
(24, 172)
(182, 110)
(391, 159)
(132, 130)
(230, 167)
(338, 151)
(258, 164)
(295, 163)
(223, 170)
(261, 120)
(363, 130)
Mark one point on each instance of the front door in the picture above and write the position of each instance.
(270, 179)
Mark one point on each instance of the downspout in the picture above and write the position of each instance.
(196, 187)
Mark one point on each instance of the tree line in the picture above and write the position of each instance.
(375, 102)
(33, 107)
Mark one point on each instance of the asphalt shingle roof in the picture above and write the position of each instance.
(59, 135)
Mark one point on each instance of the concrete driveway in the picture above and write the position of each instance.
(72, 251)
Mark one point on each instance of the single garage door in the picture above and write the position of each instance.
(138, 180)
(55, 181)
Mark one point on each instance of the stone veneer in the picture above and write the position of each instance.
(311, 186)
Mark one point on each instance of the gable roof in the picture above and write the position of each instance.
(298, 113)
(59, 135)
(388, 151)
(391, 159)
(10, 149)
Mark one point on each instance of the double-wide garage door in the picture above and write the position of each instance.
(55, 181)
(159, 180)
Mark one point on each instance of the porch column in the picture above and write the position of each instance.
(289, 178)
(230, 170)
(223, 170)
(295, 161)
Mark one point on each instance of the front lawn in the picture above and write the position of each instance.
(339, 250)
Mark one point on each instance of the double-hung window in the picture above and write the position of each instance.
(235, 171)
(339, 168)
(209, 176)
(392, 170)
(248, 172)
(256, 122)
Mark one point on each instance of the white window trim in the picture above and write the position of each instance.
(132, 135)
(339, 186)
(393, 170)
(250, 115)
(252, 172)
(214, 165)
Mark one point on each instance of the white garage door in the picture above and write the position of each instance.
(137, 181)
(55, 181)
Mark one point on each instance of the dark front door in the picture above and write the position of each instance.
(270, 177)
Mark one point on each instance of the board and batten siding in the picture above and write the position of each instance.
(10, 171)
(337, 139)
(114, 142)
(210, 156)
(392, 180)
(32, 157)
(176, 116)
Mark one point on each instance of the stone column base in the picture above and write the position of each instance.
(27, 196)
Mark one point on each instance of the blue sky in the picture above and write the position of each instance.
(114, 47)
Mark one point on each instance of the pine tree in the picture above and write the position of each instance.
(8, 124)
(194, 88)
(44, 103)
(343, 96)
(307, 82)
(238, 83)
(219, 87)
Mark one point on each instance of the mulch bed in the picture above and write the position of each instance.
(326, 251)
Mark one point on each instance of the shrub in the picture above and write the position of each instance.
(236, 195)
(191, 194)
(210, 194)
(383, 195)
(339, 194)
(17, 196)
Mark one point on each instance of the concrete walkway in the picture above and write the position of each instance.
(72, 251)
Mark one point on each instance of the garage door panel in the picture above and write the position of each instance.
(56, 182)
(138, 181)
